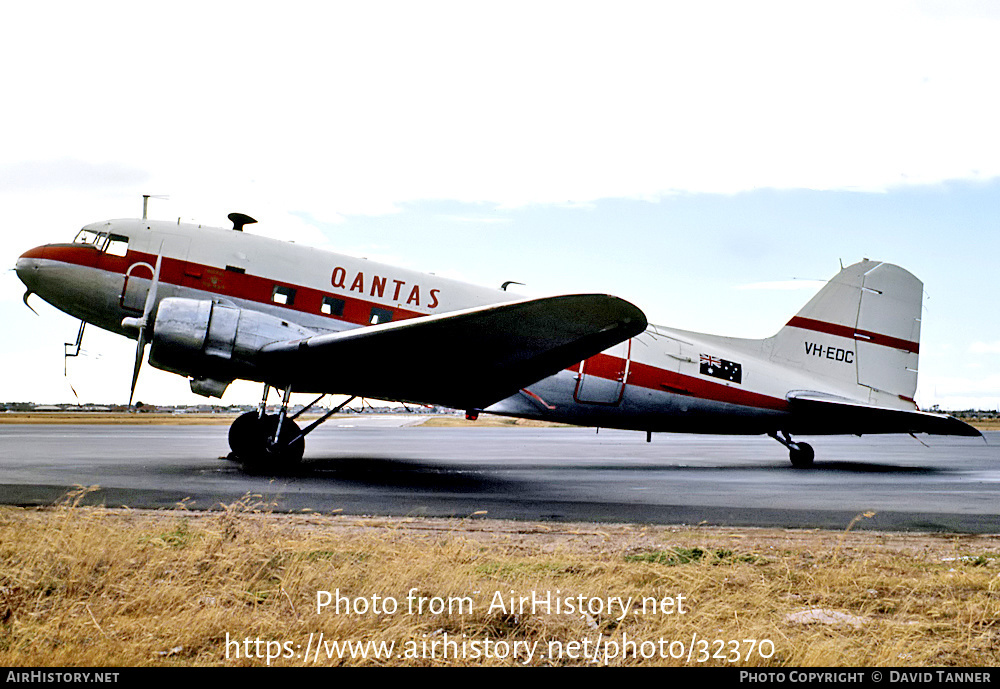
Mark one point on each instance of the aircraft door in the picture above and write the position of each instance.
(601, 378)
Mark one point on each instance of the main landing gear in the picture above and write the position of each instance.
(801, 454)
(263, 442)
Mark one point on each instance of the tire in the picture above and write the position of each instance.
(248, 439)
(802, 455)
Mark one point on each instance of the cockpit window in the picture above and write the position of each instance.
(117, 245)
(86, 236)
(114, 244)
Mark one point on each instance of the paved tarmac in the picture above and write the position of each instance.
(377, 466)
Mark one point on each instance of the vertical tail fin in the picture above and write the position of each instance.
(861, 331)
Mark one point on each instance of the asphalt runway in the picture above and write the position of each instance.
(377, 466)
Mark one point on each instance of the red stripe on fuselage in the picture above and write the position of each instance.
(254, 288)
(190, 275)
(661, 380)
(854, 334)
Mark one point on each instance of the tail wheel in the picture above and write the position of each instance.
(250, 440)
(801, 454)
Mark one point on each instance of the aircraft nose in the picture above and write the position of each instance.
(27, 267)
(24, 269)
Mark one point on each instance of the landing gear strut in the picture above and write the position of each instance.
(801, 454)
(272, 442)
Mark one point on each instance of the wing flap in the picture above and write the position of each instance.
(849, 416)
(464, 359)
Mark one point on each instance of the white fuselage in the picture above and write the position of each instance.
(661, 380)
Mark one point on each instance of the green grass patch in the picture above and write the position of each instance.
(673, 557)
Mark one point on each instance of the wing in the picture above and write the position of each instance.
(463, 359)
(840, 415)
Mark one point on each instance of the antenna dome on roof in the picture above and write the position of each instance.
(239, 220)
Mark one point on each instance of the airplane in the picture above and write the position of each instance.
(220, 304)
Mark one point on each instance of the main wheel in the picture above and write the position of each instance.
(801, 454)
(249, 439)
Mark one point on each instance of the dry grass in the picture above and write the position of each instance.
(124, 418)
(984, 424)
(118, 418)
(96, 587)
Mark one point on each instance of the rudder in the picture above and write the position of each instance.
(861, 331)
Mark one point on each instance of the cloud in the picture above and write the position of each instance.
(785, 285)
(960, 392)
(469, 219)
(346, 108)
(322, 112)
(985, 347)
(68, 173)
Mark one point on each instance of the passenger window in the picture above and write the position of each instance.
(117, 245)
(379, 316)
(332, 306)
(283, 295)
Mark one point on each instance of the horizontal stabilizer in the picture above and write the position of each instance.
(463, 359)
(841, 415)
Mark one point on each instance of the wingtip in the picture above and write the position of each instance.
(964, 428)
(631, 315)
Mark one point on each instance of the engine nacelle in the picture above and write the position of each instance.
(214, 341)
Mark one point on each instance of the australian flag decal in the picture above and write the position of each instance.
(720, 368)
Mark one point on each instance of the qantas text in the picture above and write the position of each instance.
(378, 287)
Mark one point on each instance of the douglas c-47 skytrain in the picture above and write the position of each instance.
(220, 304)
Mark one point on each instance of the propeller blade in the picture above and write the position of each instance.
(27, 294)
(151, 294)
(140, 349)
(140, 354)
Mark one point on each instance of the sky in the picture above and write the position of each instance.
(711, 162)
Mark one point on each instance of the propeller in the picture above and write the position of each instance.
(26, 295)
(143, 324)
